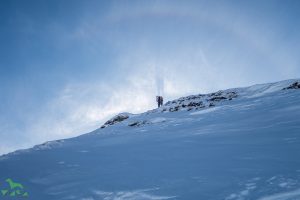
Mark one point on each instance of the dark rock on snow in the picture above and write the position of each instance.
(295, 85)
(116, 119)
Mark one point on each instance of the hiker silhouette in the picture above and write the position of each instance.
(159, 100)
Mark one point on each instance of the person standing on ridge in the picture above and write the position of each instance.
(159, 100)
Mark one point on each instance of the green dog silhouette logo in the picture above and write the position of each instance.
(15, 189)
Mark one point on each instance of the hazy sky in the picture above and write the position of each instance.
(66, 66)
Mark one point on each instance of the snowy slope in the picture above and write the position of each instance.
(236, 144)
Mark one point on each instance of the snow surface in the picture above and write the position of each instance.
(243, 146)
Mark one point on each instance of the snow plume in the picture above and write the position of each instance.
(159, 80)
(82, 107)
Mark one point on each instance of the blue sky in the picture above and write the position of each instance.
(67, 66)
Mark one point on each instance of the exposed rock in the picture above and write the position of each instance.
(116, 119)
(176, 108)
(217, 98)
(295, 85)
(216, 94)
(133, 124)
(137, 123)
(232, 95)
(188, 103)
(195, 104)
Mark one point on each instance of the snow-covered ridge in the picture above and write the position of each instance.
(198, 103)
(49, 145)
(246, 146)
(204, 101)
(39, 147)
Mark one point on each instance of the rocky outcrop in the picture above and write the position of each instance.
(137, 123)
(193, 102)
(295, 85)
(198, 101)
(116, 119)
